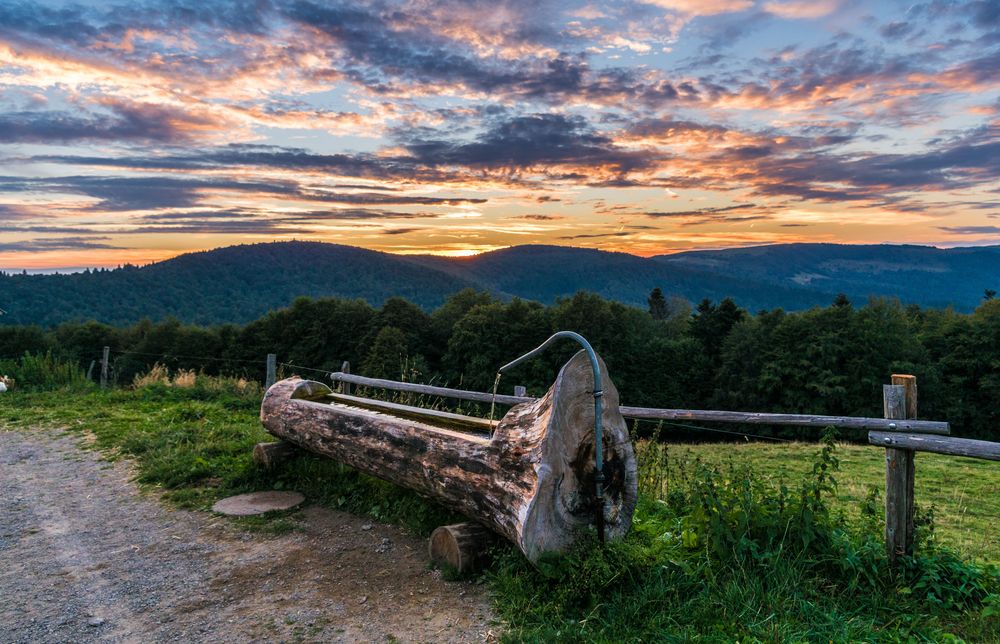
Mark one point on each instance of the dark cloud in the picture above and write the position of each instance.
(532, 140)
(379, 55)
(895, 30)
(125, 122)
(970, 230)
(150, 193)
(44, 229)
(620, 233)
(62, 243)
(700, 211)
(539, 217)
(17, 212)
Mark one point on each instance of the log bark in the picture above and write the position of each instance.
(532, 482)
(463, 546)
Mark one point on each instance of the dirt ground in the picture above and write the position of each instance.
(84, 556)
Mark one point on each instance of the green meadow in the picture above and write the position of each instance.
(731, 541)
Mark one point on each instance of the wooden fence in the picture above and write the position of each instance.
(899, 432)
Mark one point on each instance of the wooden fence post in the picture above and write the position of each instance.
(345, 387)
(899, 402)
(272, 370)
(520, 390)
(104, 366)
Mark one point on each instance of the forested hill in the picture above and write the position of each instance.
(240, 283)
(922, 274)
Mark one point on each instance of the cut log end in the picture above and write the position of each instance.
(562, 424)
(271, 455)
(461, 546)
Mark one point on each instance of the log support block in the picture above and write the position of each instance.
(462, 546)
(271, 455)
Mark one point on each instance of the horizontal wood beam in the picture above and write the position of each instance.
(651, 413)
(937, 444)
(430, 390)
(794, 420)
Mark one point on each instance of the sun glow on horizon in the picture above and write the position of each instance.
(647, 128)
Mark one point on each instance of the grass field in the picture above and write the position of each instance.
(964, 493)
(703, 564)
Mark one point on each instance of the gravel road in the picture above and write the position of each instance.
(85, 557)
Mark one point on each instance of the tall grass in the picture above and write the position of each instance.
(42, 372)
(724, 554)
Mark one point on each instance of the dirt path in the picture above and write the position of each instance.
(84, 557)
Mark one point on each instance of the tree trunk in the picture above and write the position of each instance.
(532, 482)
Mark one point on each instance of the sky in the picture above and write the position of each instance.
(136, 131)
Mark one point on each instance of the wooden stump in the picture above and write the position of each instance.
(463, 546)
(533, 482)
(271, 455)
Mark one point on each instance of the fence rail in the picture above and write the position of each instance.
(650, 413)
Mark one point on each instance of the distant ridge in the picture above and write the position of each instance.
(240, 283)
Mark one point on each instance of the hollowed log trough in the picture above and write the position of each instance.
(532, 482)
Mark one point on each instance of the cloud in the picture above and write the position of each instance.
(700, 211)
(596, 235)
(49, 245)
(801, 9)
(126, 122)
(529, 141)
(971, 230)
(539, 217)
(703, 7)
(116, 193)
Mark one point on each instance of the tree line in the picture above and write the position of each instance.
(826, 360)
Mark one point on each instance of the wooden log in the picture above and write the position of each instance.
(899, 401)
(653, 413)
(271, 455)
(462, 546)
(949, 445)
(533, 482)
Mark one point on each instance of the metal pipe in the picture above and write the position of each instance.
(598, 394)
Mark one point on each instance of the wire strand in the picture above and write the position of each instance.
(184, 357)
(723, 431)
(296, 366)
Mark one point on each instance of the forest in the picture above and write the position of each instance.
(715, 355)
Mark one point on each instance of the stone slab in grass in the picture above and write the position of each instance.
(244, 505)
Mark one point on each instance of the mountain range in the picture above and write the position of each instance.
(240, 283)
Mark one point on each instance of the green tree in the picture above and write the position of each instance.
(657, 304)
(388, 354)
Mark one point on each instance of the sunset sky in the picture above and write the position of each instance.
(134, 131)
